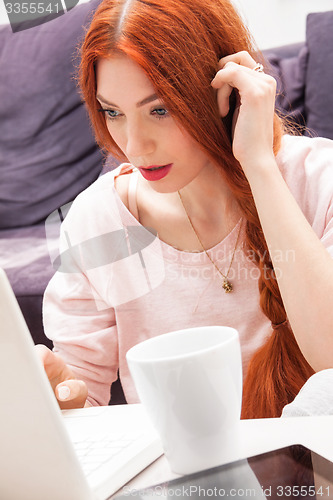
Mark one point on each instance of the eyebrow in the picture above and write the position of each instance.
(147, 100)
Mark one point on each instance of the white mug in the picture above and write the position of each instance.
(190, 382)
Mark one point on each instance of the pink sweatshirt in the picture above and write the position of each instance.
(119, 284)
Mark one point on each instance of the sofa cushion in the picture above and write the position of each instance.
(288, 65)
(319, 75)
(47, 149)
(25, 256)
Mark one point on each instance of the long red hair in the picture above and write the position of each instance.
(178, 43)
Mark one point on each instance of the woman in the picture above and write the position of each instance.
(174, 89)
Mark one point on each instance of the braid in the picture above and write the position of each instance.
(278, 369)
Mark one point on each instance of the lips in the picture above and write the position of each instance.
(155, 172)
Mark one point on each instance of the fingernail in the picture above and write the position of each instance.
(63, 392)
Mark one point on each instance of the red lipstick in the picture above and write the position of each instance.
(155, 172)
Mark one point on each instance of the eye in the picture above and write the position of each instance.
(160, 112)
(111, 114)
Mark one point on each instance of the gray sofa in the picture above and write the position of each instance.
(47, 149)
(304, 72)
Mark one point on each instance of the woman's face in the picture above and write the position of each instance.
(138, 121)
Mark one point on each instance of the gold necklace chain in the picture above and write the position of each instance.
(227, 285)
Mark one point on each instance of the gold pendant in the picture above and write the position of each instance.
(227, 286)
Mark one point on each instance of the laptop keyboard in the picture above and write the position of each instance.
(95, 451)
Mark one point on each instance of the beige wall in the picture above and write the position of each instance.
(272, 22)
(279, 22)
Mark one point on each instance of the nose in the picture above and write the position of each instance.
(140, 141)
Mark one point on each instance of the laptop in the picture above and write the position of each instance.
(46, 453)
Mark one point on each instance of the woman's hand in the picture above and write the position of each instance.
(253, 119)
(70, 392)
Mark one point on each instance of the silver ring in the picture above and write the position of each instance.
(259, 68)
